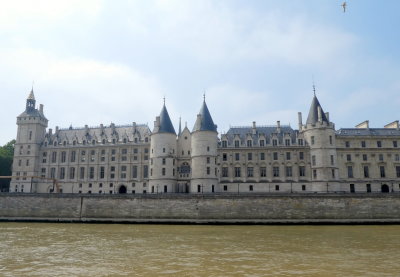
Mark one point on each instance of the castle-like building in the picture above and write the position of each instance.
(255, 159)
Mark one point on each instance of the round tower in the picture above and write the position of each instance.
(319, 133)
(32, 126)
(204, 141)
(163, 149)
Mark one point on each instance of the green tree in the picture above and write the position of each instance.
(6, 158)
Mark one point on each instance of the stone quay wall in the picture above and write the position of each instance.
(203, 209)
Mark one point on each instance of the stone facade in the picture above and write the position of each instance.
(255, 159)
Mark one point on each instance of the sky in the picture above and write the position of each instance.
(100, 62)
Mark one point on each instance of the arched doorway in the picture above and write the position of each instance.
(385, 188)
(122, 189)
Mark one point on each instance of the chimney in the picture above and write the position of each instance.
(278, 126)
(327, 116)
(134, 126)
(299, 116)
(254, 129)
(50, 131)
(319, 114)
(56, 129)
(41, 108)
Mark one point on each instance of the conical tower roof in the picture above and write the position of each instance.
(31, 96)
(204, 120)
(165, 122)
(313, 113)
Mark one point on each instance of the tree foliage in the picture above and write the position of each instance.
(6, 158)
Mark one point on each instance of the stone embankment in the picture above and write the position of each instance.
(203, 209)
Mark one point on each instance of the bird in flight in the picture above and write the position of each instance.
(344, 5)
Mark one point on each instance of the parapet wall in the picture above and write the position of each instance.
(229, 209)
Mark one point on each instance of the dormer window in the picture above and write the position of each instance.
(103, 141)
(124, 140)
(224, 143)
(146, 139)
(249, 143)
(262, 142)
(55, 143)
(113, 141)
(274, 142)
(93, 142)
(237, 143)
(74, 142)
(64, 143)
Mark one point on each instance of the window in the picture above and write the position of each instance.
(312, 140)
(224, 172)
(303, 187)
(145, 171)
(249, 156)
(19, 162)
(134, 171)
(289, 171)
(208, 148)
(365, 157)
(237, 156)
(275, 171)
(237, 143)
(81, 173)
(277, 187)
(112, 172)
(250, 172)
(250, 187)
(208, 170)
(54, 157)
(225, 187)
(313, 160)
(72, 172)
(63, 156)
(348, 157)
(350, 172)
(91, 172)
(301, 155)
(44, 157)
(302, 171)
(30, 135)
(275, 142)
(249, 143)
(314, 173)
(73, 156)
(398, 171)
(102, 172)
(397, 157)
(352, 188)
(27, 162)
(208, 160)
(332, 160)
(43, 172)
(288, 156)
(379, 144)
(262, 156)
(198, 188)
(163, 171)
(380, 157)
(262, 143)
(275, 156)
(287, 142)
(368, 187)
(366, 171)
(224, 157)
(333, 173)
(163, 161)
(52, 172)
(83, 153)
(237, 171)
(263, 172)
(330, 140)
(395, 144)
(382, 171)
(224, 144)
(62, 173)
(363, 145)
(123, 171)
(300, 142)
(347, 144)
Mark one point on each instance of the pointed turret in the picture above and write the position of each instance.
(316, 113)
(204, 121)
(180, 128)
(163, 123)
(30, 102)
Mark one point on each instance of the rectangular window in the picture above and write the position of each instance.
(333, 173)
(363, 144)
(237, 156)
(275, 171)
(303, 187)
(83, 157)
(382, 171)
(163, 161)
(263, 172)
(134, 171)
(288, 156)
(73, 156)
(224, 157)
(301, 155)
(347, 143)
(397, 157)
(314, 173)
(366, 171)
(54, 157)
(395, 144)
(250, 187)
(289, 171)
(277, 187)
(72, 172)
(237, 143)
(237, 171)
(250, 172)
(208, 170)
(348, 157)
(274, 142)
(123, 171)
(368, 187)
(249, 156)
(313, 160)
(262, 156)
(380, 157)
(224, 144)
(52, 172)
(379, 144)
(208, 160)
(300, 142)
(145, 171)
(224, 172)
(398, 171)
(163, 171)
(332, 160)
(62, 173)
(365, 157)
(302, 171)
(330, 140)
(82, 173)
(287, 142)
(249, 143)
(350, 171)
(63, 156)
(275, 156)
(91, 172)
(312, 140)
(102, 172)
(43, 172)
(262, 143)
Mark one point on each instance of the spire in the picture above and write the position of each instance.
(204, 120)
(31, 95)
(165, 122)
(180, 128)
(316, 112)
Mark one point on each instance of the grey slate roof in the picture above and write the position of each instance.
(130, 132)
(368, 132)
(204, 122)
(313, 113)
(267, 131)
(165, 122)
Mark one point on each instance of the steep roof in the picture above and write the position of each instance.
(165, 122)
(313, 113)
(204, 120)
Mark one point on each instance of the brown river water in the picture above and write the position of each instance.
(42, 249)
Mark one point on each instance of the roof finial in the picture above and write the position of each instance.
(33, 82)
(164, 100)
(313, 84)
(204, 95)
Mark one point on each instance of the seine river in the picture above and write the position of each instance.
(41, 249)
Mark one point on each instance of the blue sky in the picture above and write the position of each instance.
(113, 61)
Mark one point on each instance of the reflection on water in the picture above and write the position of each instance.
(40, 249)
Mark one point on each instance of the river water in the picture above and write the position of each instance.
(41, 249)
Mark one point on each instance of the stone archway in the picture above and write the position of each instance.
(385, 188)
(122, 189)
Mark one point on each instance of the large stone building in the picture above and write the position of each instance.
(268, 159)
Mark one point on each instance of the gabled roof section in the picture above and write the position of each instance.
(313, 113)
(204, 120)
(165, 122)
